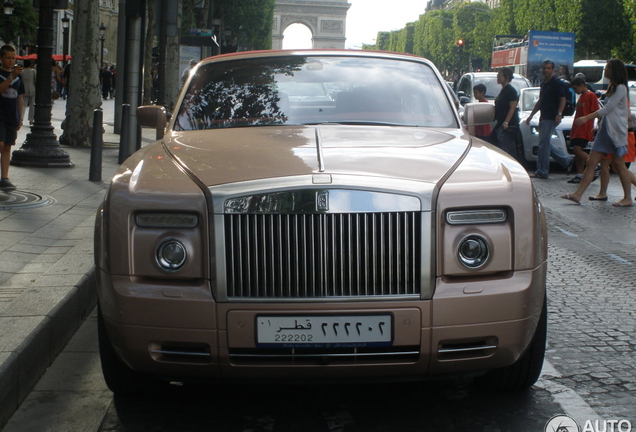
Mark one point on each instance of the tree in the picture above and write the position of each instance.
(84, 96)
(382, 41)
(150, 43)
(405, 39)
(249, 20)
(503, 21)
(603, 35)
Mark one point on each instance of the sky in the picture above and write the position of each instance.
(365, 19)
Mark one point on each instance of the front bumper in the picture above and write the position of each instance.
(182, 332)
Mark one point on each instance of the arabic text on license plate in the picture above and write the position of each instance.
(322, 330)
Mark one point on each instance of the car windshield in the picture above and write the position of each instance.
(300, 90)
(631, 88)
(493, 89)
(529, 99)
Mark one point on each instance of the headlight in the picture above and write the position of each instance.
(471, 217)
(473, 251)
(171, 254)
(166, 220)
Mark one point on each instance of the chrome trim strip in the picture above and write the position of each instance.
(181, 353)
(405, 297)
(321, 159)
(428, 261)
(400, 187)
(468, 349)
(321, 201)
(470, 217)
(375, 354)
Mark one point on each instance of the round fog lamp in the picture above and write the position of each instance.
(473, 251)
(171, 254)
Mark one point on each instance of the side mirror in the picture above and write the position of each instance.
(478, 113)
(153, 116)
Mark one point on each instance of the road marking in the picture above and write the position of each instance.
(566, 232)
(619, 259)
(337, 418)
(571, 402)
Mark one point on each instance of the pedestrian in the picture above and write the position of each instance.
(28, 99)
(628, 157)
(113, 71)
(106, 78)
(588, 85)
(481, 131)
(564, 72)
(581, 135)
(56, 80)
(66, 78)
(506, 114)
(551, 103)
(11, 91)
(611, 137)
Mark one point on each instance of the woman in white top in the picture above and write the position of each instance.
(611, 137)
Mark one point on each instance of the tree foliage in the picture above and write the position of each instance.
(249, 20)
(23, 22)
(603, 29)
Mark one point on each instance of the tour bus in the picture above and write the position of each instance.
(594, 73)
(524, 54)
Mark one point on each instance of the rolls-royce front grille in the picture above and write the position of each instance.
(323, 255)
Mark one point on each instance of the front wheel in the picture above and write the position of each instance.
(523, 373)
(119, 378)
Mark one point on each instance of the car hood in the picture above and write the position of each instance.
(566, 122)
(225, 156)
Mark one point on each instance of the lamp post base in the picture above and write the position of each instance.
(42, 150)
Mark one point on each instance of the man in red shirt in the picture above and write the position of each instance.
(581, 135)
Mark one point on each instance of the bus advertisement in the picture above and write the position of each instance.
(524, 54)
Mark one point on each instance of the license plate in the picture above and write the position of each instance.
(319, 331)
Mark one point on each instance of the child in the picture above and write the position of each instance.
(581, 135)
(481, 131)
(11, 91)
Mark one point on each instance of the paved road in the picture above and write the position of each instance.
(590, 373)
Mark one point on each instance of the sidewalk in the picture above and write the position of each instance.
(46, 259)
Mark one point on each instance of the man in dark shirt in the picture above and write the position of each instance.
(551, 103)
(506, 114)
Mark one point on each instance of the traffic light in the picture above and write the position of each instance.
(460, 45)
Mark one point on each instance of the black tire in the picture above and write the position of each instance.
(119, 378)
(523, 373)
(520, 153)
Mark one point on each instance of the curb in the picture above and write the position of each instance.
(42, 328)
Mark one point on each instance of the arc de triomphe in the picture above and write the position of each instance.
(326, 19)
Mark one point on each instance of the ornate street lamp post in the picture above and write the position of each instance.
(8, 7)
(65, 24)
(102, 33)
(8, 11)
(41, 148)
